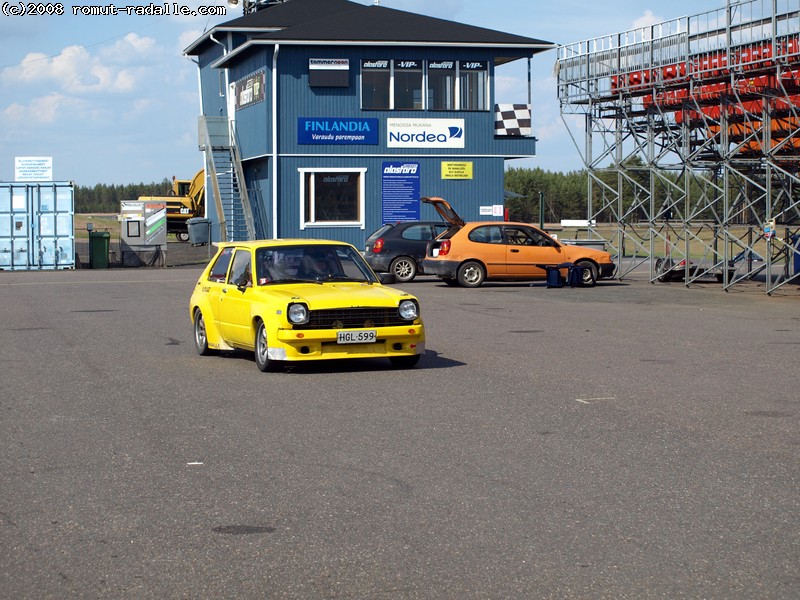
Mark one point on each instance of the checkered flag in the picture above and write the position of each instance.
(512, 120)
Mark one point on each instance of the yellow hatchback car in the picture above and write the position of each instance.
(298, 300)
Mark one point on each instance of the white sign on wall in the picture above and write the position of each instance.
(33, 168)
(425, 133)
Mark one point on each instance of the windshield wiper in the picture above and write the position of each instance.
(291, 280)
(344, 278)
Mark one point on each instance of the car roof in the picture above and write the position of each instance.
(282, 242)
(399, 223)
(503, 223)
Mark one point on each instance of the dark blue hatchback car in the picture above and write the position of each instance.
(399, 248)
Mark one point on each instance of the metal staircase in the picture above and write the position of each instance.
(224, 168)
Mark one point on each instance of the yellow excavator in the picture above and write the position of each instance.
(186, 199)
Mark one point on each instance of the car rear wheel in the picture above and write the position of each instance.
(471, 274)
(404, 269)
(200, 335)
(663, 266)
(589, 277)
(405, 362)
(263, 362)
(182, 236)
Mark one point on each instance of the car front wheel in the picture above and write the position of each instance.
(589, 277)
(404, 269)
(404, 362)
(263, 361)
(200, 335)
(471, 274)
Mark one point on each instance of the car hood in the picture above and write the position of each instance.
(339, 294)
(575, 253)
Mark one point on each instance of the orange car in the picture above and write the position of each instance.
(468, 254)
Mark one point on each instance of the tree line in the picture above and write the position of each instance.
(106, 198)
(562, 195)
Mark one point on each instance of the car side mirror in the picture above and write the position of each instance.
(241, 283)
(387, 278)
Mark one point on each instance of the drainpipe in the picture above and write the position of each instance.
(202, 108)
(530, 97)
(275, 142)
(208, 153)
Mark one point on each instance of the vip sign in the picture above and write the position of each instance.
(425, 133)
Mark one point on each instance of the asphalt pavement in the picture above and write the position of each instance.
(631, 440)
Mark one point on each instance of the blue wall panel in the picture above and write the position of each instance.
(296, 99)
(466, 196)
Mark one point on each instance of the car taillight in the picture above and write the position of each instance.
(444, 247)
(377, 245)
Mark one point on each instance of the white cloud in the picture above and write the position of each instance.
(647, 19)
(130, 49)
(187, 37)
(116, 69)
(41, 111)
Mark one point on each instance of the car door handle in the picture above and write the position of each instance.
(515, 250)
(224, 290)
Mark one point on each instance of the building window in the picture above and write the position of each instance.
(405, 85)
(408, 85)
(376, 78)
(473, 79)
(333, 197)
(442, 85)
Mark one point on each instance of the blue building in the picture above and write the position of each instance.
(328, 118)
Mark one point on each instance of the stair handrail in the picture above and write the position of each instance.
(208, 148)
(240, 180)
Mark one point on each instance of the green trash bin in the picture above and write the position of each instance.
(98, 249)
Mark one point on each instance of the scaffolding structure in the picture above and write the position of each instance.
(691, 138)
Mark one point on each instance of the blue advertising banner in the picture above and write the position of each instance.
(400, 192)
(326, 130)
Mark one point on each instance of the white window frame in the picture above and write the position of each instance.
(307, 222)
(457, 103)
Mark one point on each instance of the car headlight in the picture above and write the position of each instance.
(298, 314)
(408, 310)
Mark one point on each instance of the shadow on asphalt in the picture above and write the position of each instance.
(430, 360)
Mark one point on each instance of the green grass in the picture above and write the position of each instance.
(100, 222)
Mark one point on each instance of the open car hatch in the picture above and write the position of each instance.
(445, 210)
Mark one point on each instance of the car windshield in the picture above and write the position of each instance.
(310, 262)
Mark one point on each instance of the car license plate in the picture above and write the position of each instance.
(361, 336)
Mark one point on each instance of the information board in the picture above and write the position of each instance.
(400, 192)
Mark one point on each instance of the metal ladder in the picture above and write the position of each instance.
(224, 168)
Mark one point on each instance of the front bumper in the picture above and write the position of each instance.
(320, 344)
(607, 270)
(446, 269)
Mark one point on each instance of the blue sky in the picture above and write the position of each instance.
(113, 100)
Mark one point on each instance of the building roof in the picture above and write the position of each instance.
(341, 22)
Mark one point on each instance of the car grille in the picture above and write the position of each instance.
(353, 318)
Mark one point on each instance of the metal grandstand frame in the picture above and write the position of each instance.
(690, 133)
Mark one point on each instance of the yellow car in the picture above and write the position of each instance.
(297, 300)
